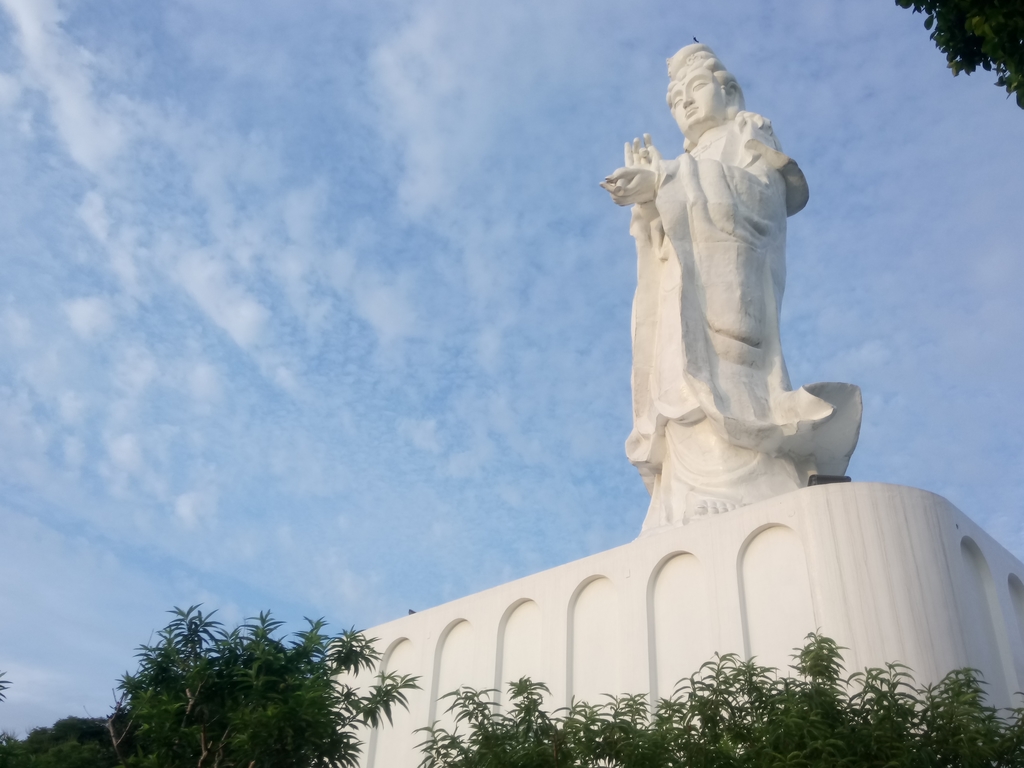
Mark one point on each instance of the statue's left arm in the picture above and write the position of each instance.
(764, 147)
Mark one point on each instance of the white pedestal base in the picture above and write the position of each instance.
(891, 573)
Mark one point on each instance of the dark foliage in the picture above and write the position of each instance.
(978, 33)
(735, 714)
(74, 742)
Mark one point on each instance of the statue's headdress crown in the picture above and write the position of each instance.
(693, 56)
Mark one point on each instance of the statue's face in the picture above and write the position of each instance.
(700, 103)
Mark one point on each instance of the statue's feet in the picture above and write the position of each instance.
(704, 506)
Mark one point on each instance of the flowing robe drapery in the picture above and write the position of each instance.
(711, 275)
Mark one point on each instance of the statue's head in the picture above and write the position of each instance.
(702, 94)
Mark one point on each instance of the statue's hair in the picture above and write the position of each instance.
(699, 56)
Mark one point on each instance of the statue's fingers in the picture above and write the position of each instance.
(629, 155)
(639, 152)
(647, 141)
(618, 176)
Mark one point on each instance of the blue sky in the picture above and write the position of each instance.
(317, 306)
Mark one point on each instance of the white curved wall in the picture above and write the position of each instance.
(778, 611)
(680, 622)
(880, 569)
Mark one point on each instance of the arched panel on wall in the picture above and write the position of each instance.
(520, 647)
(595, 650)
(393, 745)
(454, 667)
(986, 631)
(678, 622)
(778, 610)
(1016, 587)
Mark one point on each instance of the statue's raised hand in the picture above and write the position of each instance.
(637, 182)
(643, 155)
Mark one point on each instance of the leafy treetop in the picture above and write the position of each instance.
(978, 33)
(206, 696)
(736, 714)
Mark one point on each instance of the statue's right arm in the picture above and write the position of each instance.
(629, 186)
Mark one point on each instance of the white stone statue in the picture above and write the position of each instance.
(716, 423)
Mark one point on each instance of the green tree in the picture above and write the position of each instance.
(978, 33)
(736, 714)
(10, 749)
(205, 696)
(72, 742)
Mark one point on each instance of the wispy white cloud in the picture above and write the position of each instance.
(204, 383)
(422, 433)
(10, 90)
(89, 317)
(62, 71)
(228, 304)
(194, 507)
